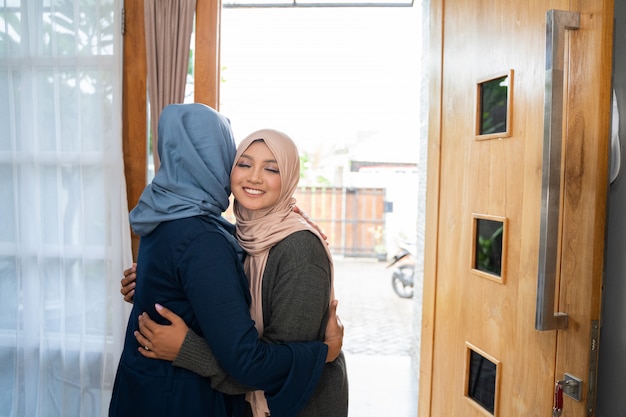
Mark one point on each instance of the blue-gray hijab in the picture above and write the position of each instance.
(197, 150)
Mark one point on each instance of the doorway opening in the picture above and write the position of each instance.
(344, 83)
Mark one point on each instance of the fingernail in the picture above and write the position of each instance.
(158, 306)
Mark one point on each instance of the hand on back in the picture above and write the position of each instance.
(128, 283)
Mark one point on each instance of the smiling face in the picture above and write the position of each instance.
(255, 179)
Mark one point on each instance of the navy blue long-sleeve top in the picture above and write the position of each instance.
(190, 267)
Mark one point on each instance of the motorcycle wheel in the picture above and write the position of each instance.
(402, 281)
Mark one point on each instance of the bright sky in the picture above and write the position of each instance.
(325, 76)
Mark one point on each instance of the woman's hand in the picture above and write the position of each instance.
(161, 341)
(128, 283)
(334, 333)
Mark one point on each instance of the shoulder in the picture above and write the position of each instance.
(188, 225)
(298, 250)
(301, 241)
(197, 233)
(194, 226)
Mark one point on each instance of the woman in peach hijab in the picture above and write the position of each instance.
(289, 267)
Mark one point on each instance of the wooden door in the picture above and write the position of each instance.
(482, 353)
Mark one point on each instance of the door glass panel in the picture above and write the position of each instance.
(481, 384)
(494, 106)
(488, 246)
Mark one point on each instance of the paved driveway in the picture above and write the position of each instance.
(377, 340)
(376, 320)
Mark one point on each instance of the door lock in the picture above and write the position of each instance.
(572, 386)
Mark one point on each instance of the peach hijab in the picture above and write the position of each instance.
(260, 230)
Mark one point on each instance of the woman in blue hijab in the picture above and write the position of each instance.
(190, 262)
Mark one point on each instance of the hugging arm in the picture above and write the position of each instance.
(178, 343)
(217, 291)
(217, 298)
(183, 346)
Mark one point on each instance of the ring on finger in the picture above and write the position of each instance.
(146, 347)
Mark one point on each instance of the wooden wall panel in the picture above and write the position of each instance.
(207, 59)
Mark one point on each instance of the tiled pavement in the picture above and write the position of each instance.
(377, 340)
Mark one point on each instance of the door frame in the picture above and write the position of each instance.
(433, 72)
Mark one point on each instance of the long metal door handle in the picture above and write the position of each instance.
(557, 22)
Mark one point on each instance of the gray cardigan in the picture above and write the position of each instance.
(296, 290)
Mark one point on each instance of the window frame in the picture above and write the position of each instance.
(134, 87)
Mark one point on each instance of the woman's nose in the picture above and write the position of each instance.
(255, 177)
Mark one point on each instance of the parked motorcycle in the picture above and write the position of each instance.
(403, 272)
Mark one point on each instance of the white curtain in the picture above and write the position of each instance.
(64, 237)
